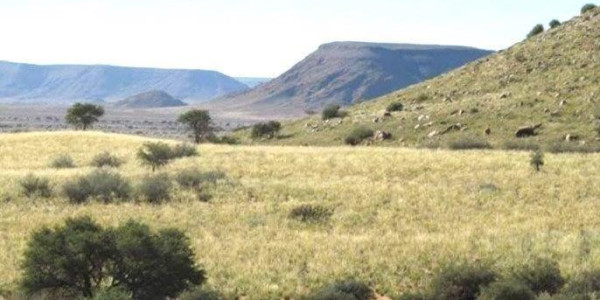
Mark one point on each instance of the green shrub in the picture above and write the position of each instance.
(63, 161)
(555, 23)
(265, 130)
(184, 150)
(395, 106)
(565, 147)
(537, 160)
(81, 258)
(101, 184)
(584, 284)
(520, 145)
(422, 97)
(155, 188)
(310, 213)
(345, 290)
(193, 178)
(461, 282)
(224, 140)
(587, 8)
(468, 143)
(414, 296)
(358, 135)
(507, 290)
(537, 29)
(541, 276)
(105, 159)
(201, 294)
(36, 186)
(155, 155)
(330, 111)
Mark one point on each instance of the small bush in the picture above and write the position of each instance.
(105, 159)
(584, 284)
(565, 147)
(63, 161)
(587, 8)
(461, 282)
(330, 111)
(224, 140)
(542, 276)
(555, 23)
(183, 150)
(395, 106)
(346, 290)
(521, 145)
(36, 186)
(193, 178)
(469, 143)
(422, 97)
(537, 160)
(155, 155)
(507, 290)
(310, 213)
(155, 189)
(537, 29)
(265, 130)
(101, 184)
(358, 135)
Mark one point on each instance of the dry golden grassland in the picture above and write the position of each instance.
(398, 213)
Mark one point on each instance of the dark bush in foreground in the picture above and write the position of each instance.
(83, 259)
(155, 188)
(183, 150)
(105, 159)
(507, 290)
(395, 106)
(469, 143)
(103, 185)
(537, 29)
(265, 130)
(541, 276)
(331, 111)
(358, 135)
(36, 186)
(346, 290)
(63, 161)
(310, 213)
(587, 8)
(461, 282)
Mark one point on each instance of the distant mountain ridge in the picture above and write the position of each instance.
(348, 72)
(150, 99)
(68, 83)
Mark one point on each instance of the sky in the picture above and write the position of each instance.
(252, 38)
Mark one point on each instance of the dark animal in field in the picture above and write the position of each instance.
(527, 131)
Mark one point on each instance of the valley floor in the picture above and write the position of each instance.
(398, 214)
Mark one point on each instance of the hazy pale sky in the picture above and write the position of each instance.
(252, 37)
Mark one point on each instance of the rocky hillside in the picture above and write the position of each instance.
(151, 99)
(551, 80)
(67, 83)
(348, 72)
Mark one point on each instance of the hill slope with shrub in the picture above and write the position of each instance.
(552, 79)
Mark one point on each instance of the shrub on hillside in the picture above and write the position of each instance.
(469, 142)
(81, 258)
(541, 276)
(555, 23)
(584, 284)
(537, 29)
(358, 135)
(224, 140)
(422, 97)
(330, 111)
(155, 154)
(36, 186)
(395, 106)
(63, 161)
(521, 145)
(345, 290)
(265, 130)
(507, 290)
(565, 147)
(183, 150)
(105, 159)
(461, 282)
(587, 8)
(155, 188)
(310, 213)
(103, 185)
(193, 178)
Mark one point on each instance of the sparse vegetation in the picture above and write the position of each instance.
(345, 290)
(199, 122)
(155, 188)
(83, 116)
(330, 111)
(506, 290)
(63, 161)
(183, 150)
(310, 213)
(103, 185)
(265, 130)
(537, 29)
(395, 106)
(468, 142)
(588, 7)
(105, 159)
(358, 135)
(36, 186)
(537, 160)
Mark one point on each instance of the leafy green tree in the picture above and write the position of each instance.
(199, 122)
(82, 115)
(155, 154)
(268, 129)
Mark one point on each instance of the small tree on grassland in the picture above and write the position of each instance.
(199, 122)
(155, 155)
(83, 115)
(537, 160)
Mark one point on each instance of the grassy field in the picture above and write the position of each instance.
(398, 214)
